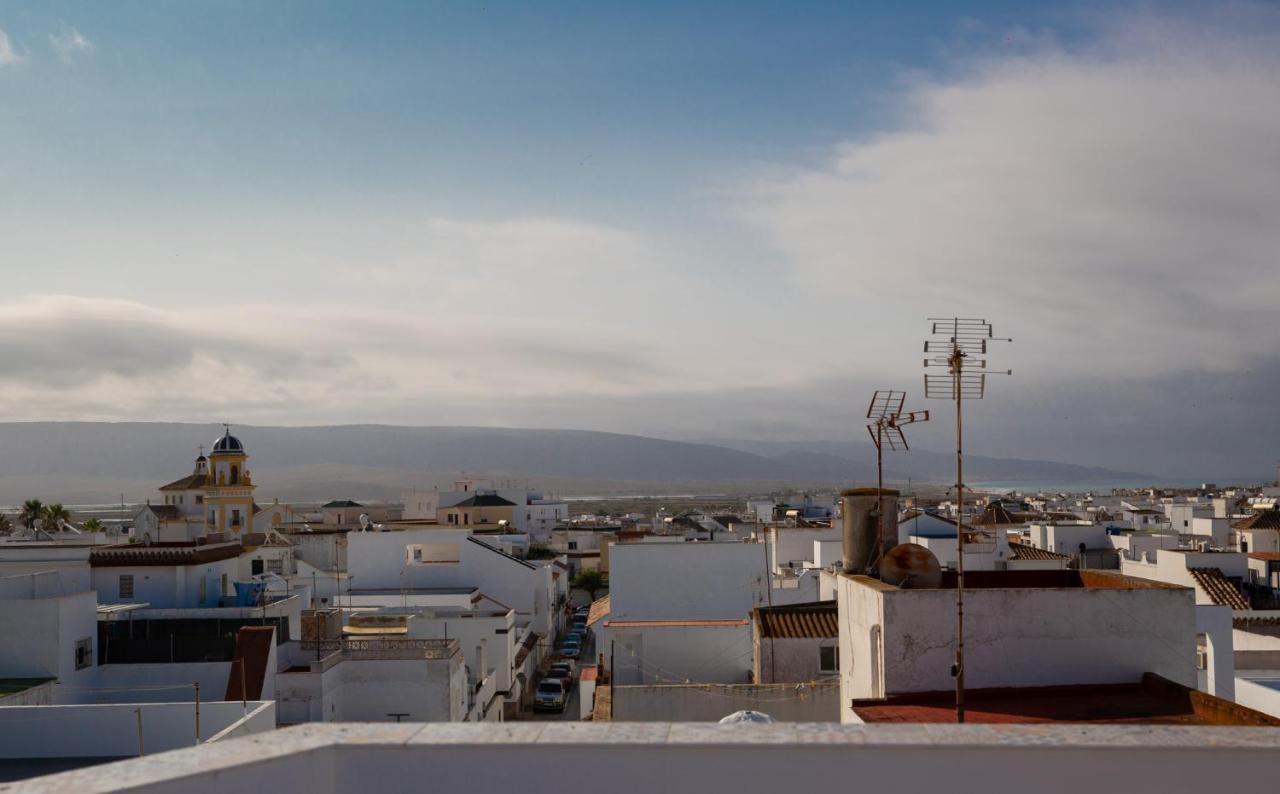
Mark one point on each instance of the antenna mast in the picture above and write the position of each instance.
(960, 345)
(885, 428)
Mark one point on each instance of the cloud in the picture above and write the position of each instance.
(9, 56)
(69, 43)
(1112, 206)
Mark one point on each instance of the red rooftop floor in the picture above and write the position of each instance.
(1154, 701)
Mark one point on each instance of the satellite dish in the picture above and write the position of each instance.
(754, 717)
(364, 522)
(911, 566)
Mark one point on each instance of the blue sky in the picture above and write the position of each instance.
(682, 219)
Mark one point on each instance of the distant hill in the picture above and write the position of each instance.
(96, 461)
(927, 465)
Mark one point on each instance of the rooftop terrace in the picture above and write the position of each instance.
(694, 758)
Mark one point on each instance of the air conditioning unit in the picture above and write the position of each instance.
(1202, 659)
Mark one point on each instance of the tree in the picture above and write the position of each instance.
(6, 526)
(93, 525)
(54, 512)
(590, 581)
(31, 510)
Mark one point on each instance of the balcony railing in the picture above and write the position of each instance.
(385, 648)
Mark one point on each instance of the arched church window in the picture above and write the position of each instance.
(235, 474)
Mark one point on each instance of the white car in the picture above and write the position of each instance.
(550, 695)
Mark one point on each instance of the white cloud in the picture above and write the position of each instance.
(69, 43)
(9, 56)
(1115, 207)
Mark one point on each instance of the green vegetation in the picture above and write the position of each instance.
(540, 553)
(31, 510)
(590, 581)
(93, 525)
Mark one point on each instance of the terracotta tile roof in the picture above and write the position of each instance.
(1025, 551)
(137, 554)
(526, 647)
(599, 610)
(669, 624)
(797, 621)
(997, 515)
(1269, 556)
(1219, 589)
(1263, 519)
(190, 482)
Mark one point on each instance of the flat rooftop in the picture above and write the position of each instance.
(1152, 701)
(693, 758)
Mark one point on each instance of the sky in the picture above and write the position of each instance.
(689, 220)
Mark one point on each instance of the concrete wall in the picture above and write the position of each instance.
(682, 581)
(894, 641)
(1260, 694)
(711, 702)
(168, 586)
(677, 654)
(111, 731)
(156, 683)
(370, 690)
(791, 660)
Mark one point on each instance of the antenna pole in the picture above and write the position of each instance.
(957, 362)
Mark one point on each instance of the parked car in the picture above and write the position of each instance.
(571, 649)
(574, 637)
(580, 626)
(550, 695)
(563, 671)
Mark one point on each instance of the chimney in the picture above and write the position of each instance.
(868, 533)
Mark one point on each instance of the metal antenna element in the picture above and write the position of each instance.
(960, 346)
(885, 427)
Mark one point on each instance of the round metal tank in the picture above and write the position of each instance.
(863, 535)
(910, 566)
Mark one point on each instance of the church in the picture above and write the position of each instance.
(215, 499)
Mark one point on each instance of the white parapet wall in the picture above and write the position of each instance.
(690, 758)
(111, 730)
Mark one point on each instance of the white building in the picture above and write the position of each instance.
(681, 611)
(1022, 630)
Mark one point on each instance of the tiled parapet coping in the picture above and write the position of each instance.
(641, 758)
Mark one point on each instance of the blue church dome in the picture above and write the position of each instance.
(227, 444)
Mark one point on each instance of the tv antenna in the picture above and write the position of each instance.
(959, 345)
(885, 426)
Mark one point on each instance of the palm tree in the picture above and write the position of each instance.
(5, 525)
(54, 512)
(93, 525)
(31, 510)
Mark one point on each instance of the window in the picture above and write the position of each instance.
(84, 653)
(126, 585)
(199, 499)
(255, 567)
(224, 585)
(235, 474)
(828, 660)
(235, 518)
(276, 566)
(573, 545)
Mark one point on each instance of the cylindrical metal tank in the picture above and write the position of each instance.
(868, 532)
